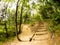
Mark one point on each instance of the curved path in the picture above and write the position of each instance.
(38, 34)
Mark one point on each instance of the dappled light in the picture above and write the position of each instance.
(29, 22)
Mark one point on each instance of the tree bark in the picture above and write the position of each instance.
(21, 17)
(6, 30)
(16, 28)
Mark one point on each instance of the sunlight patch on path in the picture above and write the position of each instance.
(41, 37)
(26, 33)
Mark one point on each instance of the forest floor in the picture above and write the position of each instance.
(38, 32)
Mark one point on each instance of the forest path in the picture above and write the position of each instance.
(38, 33)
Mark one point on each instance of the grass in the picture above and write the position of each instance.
(7, 40)
(1, 43)
(3, 38)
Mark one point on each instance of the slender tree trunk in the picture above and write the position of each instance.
(6, 29)
(16, 21)
(21, 17)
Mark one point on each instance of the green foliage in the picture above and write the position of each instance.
(7, 0)
(45, 9)
(51, 12)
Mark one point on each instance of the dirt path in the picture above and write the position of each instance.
(38, 33)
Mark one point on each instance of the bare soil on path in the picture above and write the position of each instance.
(38, 32)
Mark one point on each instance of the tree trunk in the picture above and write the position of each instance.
(6, 29)
(20, 19)
(16, 28)
(6, 22)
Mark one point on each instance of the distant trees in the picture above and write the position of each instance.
(4, 17)
(6, 23)
(50, 11)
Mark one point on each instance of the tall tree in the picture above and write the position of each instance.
(21, 16)
(4, 17)
(16, 20)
